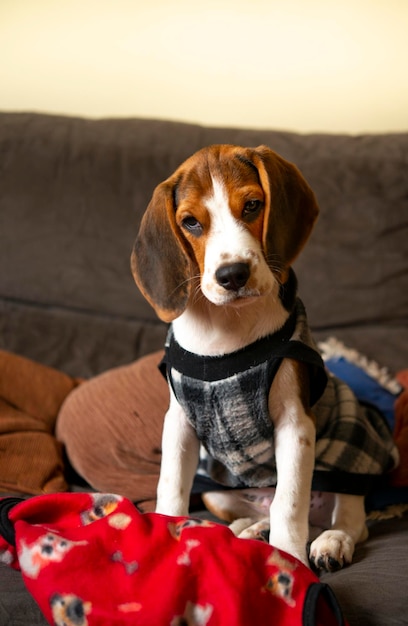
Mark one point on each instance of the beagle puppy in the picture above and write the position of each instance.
(213, 257)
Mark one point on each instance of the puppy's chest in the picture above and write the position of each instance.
(230, 392)
(231, 418)
(217, 390)
(236, 401)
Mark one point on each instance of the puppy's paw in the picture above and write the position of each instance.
(331, 550)
(245, 528)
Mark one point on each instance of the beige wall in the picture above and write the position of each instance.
(308, 65)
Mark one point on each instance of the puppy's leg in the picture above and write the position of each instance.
(252, 504)
(294, 452)
(335, 547)
(180, 453)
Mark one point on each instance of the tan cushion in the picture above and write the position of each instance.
(111, 427)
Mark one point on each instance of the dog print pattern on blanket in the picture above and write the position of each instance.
(94, 559)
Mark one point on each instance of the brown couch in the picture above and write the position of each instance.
(72, 192)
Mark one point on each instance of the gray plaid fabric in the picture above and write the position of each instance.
(230, 413)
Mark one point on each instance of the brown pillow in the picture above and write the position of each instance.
(111, 427)
(30, 397)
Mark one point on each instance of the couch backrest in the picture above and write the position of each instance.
(72, 192)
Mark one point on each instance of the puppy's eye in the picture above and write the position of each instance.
(252, 208)
(192, 225)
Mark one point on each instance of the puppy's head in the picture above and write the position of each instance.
(228, 224)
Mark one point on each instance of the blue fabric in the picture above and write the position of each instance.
(366, 388)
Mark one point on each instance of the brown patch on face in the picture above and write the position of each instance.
(245, 192)
(240, 179)
(196, 243)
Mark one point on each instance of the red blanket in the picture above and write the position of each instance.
(94, 559)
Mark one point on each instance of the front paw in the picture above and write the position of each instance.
(331, 550)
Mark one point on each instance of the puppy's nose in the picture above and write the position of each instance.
(234, 276)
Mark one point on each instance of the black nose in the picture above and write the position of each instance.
(233, 277)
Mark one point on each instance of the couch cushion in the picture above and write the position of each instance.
(369, 590)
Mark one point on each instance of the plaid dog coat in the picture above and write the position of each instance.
(225, 399)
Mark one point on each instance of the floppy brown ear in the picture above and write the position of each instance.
(159, 263)
(290, 209)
